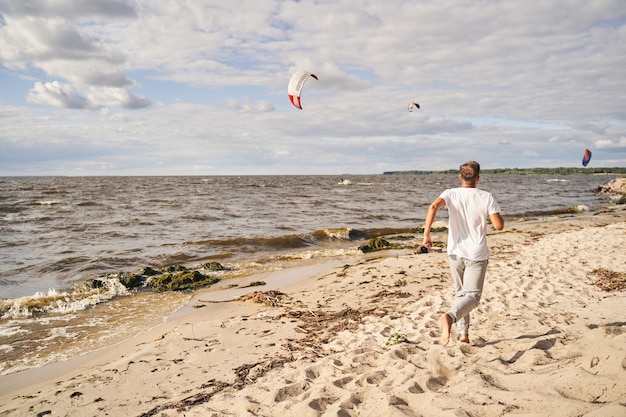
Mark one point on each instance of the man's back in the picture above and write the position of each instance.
(468, 210)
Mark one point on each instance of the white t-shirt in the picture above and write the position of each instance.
(468, 210)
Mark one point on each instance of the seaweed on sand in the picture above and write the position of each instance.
(272, 297)
(374, 244)
(321, 326)
(317, 328)
(608, 280)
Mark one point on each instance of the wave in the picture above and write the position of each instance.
(580, 208)
(302, 240)
(45, 202)
(339, 233)
(88, 204)
(80, 297)
(248, 254)
(201, 217)
(267, 253)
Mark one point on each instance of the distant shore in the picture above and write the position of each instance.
(523, 171)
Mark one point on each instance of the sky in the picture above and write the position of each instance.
(199, 87)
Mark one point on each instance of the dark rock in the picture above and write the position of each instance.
(374, 244)
(176, 268)
(130, 280)
(94, 283)
(181, 280)
(149, 272)
(214, 266)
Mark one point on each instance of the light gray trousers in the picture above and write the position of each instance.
(468, 277)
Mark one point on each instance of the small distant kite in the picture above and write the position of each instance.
(586, 157)
(295, 86)
(411, 105)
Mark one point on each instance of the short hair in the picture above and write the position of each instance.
(470, 172)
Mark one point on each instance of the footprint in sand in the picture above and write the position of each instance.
(353, 401)
(399, 354)
(492, 382)
(311, 373)
(416, 389)
(341, 383)
(468, 350)
(435, 384)
(386, 332)
(365, 360)
(319, 404)
(402, 406)
(375, 377)
(291, 391)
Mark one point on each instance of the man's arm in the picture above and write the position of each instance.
(497, 221)
(430, 218)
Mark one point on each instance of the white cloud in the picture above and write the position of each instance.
(60, 49)
(247, 105)
(57, 94)
(67, 96)
(512, 83)
(68, 8)
(619, 143)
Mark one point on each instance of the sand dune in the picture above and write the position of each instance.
(363, 340)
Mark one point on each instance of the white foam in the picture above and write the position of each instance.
(64, 302)
(10, 330)
(47, 202)
(340, 233)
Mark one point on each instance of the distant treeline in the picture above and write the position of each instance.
(522, 171)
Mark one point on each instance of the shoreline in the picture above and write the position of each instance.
(322, 348)
(212, 299)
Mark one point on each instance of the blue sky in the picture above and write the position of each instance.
(198, 87)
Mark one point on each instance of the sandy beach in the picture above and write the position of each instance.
(362, 339)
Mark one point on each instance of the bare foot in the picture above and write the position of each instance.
(446, 322)
(464, 338)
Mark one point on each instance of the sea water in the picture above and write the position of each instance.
(58, 232)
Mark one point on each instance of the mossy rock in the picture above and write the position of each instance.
(374, 244)
(149, 272)
(130, 280)
(214, 266)
(176, 268)
(183, 280)
(94, 284)
(432, 229)
(404, 237)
